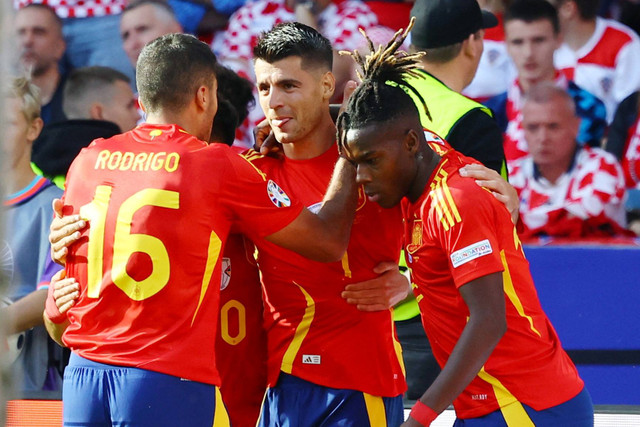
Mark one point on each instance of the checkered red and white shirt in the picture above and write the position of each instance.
(607, 65)
(78, 8)
(631, 159)
(586, 201)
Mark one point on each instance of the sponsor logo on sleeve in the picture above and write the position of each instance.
(277, 195)
(471, 252)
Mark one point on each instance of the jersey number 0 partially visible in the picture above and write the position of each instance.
(125, 243)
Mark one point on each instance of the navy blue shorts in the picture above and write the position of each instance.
(576, 412)
(294, 402)
(95, 394)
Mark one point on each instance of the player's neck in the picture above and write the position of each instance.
(578, 33)
(449, 73)
(316, 143)
(185, 119)
(426, 162)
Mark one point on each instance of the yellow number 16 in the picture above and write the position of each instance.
(126, 243)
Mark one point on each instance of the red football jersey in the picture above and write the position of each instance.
(312, 332)
(455, 233)
(241, 343)
(160, 204)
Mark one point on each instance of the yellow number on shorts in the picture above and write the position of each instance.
(224, 322)
(126, 243)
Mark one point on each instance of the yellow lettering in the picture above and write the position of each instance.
(158, 161)
(102, 158)
(114, 160)
(127, 161)
(138, 162)
(168, 166)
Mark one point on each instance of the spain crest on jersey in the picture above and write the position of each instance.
(277, 195)
(226, 273)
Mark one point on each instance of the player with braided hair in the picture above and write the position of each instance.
(502, 362)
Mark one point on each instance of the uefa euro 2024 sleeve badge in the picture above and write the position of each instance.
(277, 195)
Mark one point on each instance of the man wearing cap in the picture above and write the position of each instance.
(451, 34)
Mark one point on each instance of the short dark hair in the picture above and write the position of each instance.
(588, 9)
(532, 10)
(86, 84)
(225, 123)
(171, 68)
(237, 90)
(295, 39)
(46, 7)
(382, 96)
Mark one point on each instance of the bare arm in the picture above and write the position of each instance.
(25, 313)
(487, 323)
(324, 237)
(380, 293)
(501, 189)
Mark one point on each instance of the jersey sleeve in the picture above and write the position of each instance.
(465, 221)
(260, 206)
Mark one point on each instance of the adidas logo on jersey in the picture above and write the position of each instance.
(311, 359)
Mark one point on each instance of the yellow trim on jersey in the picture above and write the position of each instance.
(247, 159)
(444, 204)
(375, 410)
(215, 245)
(345, 265)
(512, 410)
(510, 290)
(396, 344)
(221, 418)
(301, 332)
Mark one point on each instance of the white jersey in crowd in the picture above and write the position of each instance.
(607, 65)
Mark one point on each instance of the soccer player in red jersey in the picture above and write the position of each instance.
(502, 362)
(160, 204)
(329, 363)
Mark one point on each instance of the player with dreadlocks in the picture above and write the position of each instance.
(502, 362)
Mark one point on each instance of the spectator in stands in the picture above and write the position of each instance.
(99, 104)
(90, 30)
(27, 216)
(623, 139)
(495, 70)
(601, 55)
(337, 20)
(143, 21)
(566, 190)
(532, 35)
(41, 46)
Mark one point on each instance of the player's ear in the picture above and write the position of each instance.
(328, 85)
(411, 141)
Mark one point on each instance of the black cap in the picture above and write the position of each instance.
(442, 23)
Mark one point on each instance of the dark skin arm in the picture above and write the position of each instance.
(487, 324)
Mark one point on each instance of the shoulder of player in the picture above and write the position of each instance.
(453, 188)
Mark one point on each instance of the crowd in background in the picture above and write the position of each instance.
(561, 79)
